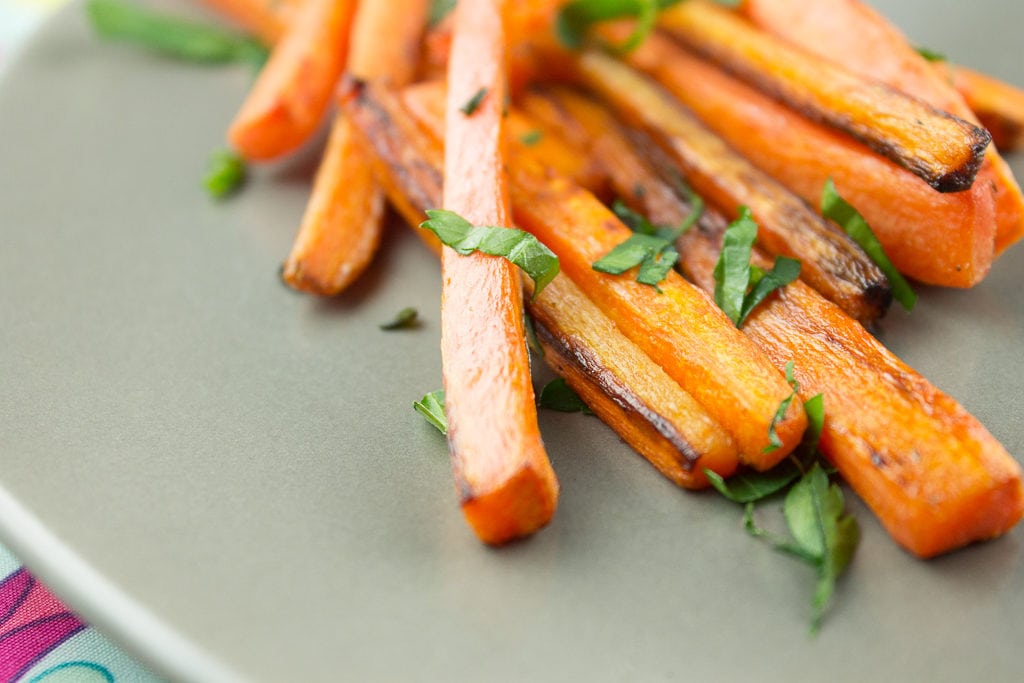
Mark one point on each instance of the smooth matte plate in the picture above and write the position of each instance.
(229, 478)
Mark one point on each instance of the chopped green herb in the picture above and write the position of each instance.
(531, 138)
(748, 487)
(226, 173)
(186, 40)
(780, 414)
(531, 336)
(835, 208)
(654, 255)
(739, 286)
(405, 319)
(474, 102)
(439, 9)
(431, 407)
(518, 247)
(558, 395)
(931, 55)
(575, 19)
(637, 222)
(814, 408)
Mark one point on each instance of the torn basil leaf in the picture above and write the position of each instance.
(431, 407)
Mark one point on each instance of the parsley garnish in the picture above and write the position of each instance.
(575, 19)
(431, 407)
(439, 9)
(930, 55)
(739, 285)
(558, 395)
(405, 319)
(226, 173)
(650, 247)
(531, 138)
(518, 247)
(474, 102)
(836, 209)
(780, 413)
(185, 40)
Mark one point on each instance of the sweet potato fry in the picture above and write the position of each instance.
(941, 239)
(341, 227)
(621, 384)
(833, 263)
(934, 476)
(502, 472)
(997, 104)
(942, 149)
(292, 93)
(863, 41)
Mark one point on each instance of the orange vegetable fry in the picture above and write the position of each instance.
(507, 486)
(934, 476)
(941, 239)
(266, 19)
(832, 262)
(623, 386)
(942, 149)
(863, 41)
(341, 227)
(294, 89)
(997, 104)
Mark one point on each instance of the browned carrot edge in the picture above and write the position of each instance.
(507, 486)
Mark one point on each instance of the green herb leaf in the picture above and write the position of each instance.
(835, 208)
(474, 102)
(558, 395)
(637, 222)
(520, 248)
(784, 271)
(777, 542)
(732, 271)
(814, 408)
(531, 138)
(931, 55)
(575, 19)
(749, 487)
(439, 9)
(654, 255)
(405, 319)
(431, 407)
(186, 40)
(780, 413)
(225, 175)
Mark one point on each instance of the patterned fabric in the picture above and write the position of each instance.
(40, 639)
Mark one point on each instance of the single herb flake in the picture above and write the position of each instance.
(225, 175)
(558, 395)
(837, 209)
(516, 246)
(431, 407)
(439, 9)
(654, 256)
(575, 19)
(930, 55)
(774, 441)
(531, 138)
(405, 319)
(186, 40)
(474, 102)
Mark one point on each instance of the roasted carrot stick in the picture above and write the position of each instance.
(941, 149)
(934, 476)
(341, 227)
(292, 93)
(622, 385)
(942, 239)
(831, 261)
(862, 40)
(502, 472)
(266, 19)
(997, 104)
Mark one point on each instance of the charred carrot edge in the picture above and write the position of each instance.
(292, 93)
(934, 476)
(502, 472)
(679, 327)
(997, 104)
(622, 385)
(833, 263)
(341, 227)
(267, 19)
(941, 239)
(862, 40)
(942, 149)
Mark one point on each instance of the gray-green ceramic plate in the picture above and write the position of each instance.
(229, 478)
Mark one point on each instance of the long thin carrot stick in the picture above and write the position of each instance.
(502, 472)
(856, 36)
(943, 150)
(267, 19)
(942, 239)
(292, 93)
(341, 227)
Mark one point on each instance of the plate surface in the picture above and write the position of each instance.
(229, 478)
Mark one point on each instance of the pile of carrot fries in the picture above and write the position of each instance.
(486, 114)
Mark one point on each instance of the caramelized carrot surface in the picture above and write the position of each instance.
(502, 472)
(997, 104)
(862, 40)
(942, 149)
(292, 93)
(934, 476)
(942, 239)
